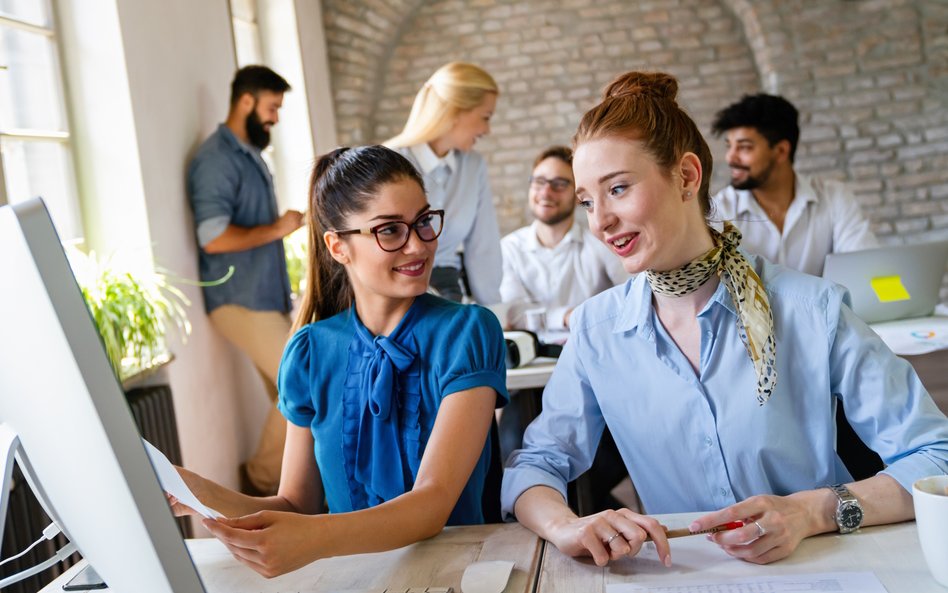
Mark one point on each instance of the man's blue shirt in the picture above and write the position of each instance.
(229, 184)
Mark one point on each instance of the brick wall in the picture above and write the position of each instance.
(870, 78)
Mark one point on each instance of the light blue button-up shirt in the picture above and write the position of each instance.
(699, 441)
(463, 192)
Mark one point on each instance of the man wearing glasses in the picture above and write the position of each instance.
(555, 263)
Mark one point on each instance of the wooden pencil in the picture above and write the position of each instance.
(684, 532)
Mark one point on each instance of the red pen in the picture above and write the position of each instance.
(684, 532)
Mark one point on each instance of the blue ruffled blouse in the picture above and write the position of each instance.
(371, 401)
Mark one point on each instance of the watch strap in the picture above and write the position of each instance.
(842, 493)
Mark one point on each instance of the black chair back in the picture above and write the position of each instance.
(490, 500)
(861, 461)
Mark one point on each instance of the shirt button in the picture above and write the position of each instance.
(708, 334)
(708, 441)
(723, 491)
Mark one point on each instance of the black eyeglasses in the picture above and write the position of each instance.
(392, 236)
(556, 184)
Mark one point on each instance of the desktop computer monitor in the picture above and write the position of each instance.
(80, 448)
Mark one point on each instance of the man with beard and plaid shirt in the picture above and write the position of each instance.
(238, 226)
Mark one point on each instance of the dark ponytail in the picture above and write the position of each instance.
(343, 183)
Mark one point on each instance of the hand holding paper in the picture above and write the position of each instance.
(171, 481)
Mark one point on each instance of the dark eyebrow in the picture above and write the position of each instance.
(425, 208)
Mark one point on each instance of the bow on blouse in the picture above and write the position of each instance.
(378, 450)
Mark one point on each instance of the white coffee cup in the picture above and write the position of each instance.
(931, 518)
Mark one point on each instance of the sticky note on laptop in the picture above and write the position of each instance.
(890, 289)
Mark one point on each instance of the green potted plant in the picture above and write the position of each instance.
(132, 307)
(296, 247)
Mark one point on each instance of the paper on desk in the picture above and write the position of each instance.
(839, 582)
(914, 336)
(171, 481)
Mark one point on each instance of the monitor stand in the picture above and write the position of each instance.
(12, 450)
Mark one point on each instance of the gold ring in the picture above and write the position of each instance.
(609, 541)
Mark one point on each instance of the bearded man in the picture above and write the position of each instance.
(239, 227)
(788, 218)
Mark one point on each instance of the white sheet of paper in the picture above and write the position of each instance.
(171, 481)
(839, 582)
(914, 336)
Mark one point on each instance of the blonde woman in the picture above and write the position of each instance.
(451, 111)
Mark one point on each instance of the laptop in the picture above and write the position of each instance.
(893, 282)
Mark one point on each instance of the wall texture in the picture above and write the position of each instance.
(177, 101)
(870, 78)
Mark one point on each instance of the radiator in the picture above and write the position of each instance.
(153, 411)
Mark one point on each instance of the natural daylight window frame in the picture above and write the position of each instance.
(61, 137)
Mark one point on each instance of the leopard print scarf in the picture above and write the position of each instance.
(755, 322)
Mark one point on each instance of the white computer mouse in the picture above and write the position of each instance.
(486, 577)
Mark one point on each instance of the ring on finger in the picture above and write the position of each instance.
(615, 535)
(761, 532)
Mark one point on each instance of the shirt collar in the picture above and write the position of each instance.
(637, 306)
(803, 189)
(429, 161)
(573, 235)
(637, 309)
(803, 192)
(234, 141)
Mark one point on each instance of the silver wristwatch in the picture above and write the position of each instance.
(848, 510)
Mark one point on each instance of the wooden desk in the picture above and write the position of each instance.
(437, 562)
(892, 552)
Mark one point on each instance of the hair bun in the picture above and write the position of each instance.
(643, 84)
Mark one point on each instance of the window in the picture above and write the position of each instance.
(35, 157)
(246, 32)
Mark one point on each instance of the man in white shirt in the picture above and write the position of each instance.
(555, 263)
(790, 219)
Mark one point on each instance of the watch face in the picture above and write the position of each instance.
(849, 516)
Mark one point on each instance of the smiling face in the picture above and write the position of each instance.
(380, 275)
(549, 204)
(750, 157)
(638, 210)
(470, 125)
(264, 115)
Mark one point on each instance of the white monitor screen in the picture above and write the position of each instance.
(79, 442)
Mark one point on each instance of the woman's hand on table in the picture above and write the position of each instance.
(609, 535)
(773, 526)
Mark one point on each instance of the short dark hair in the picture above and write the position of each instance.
(564, 153)
(253, 79)
(774, 117)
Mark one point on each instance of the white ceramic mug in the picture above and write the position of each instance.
(931, 518)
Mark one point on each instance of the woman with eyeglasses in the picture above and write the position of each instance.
(389, 391)
(451, 111)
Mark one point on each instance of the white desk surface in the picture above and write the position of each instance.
(436, 562)
(892, 552)
(531, 376)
